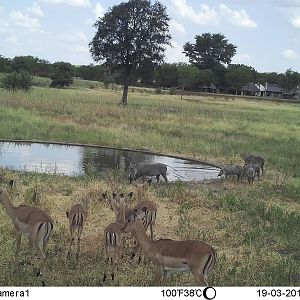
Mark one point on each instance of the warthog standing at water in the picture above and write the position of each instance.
(143, 170)
(255, 160)
(232, 170)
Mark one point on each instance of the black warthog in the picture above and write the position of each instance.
(232, 170)
(143, 170)
(255, 160)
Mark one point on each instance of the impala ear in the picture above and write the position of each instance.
(104, 195)
(114, 195)
(122, 195)
(130, 195)
(67, 213)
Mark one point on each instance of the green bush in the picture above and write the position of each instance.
(62, 74)
(17, 81)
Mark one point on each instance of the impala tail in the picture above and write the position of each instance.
(210, 263)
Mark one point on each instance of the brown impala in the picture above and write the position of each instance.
(76, 215)
(33, 222)
(171, 256)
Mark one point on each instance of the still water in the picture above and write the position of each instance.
(79, 160)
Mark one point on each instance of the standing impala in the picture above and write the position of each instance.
(113, 240)
(33, 222)
(76, 215)
(148, 206)
(171, 256)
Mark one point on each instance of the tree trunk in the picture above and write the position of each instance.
(125, 94)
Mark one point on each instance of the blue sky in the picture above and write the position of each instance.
(266, 32)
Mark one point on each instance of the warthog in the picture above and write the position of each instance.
(232, 170)
(255, 160)
(249, 172)
(255, 167)
(143, 170)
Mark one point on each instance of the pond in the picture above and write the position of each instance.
(75, 160)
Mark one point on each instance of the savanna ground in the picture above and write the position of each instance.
(255, 229)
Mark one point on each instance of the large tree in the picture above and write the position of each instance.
(206, 77)
(210, 51)
(130, 34)
(62, 75)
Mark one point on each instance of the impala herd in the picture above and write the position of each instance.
(167, 255)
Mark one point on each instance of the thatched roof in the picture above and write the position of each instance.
(250, 87)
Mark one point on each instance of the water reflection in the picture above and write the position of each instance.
(76, 160)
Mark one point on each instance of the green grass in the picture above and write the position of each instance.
(255, 229)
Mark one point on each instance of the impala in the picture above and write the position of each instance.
(171, 256)
(148, 206)
(33, 222)
(113, 241)
(76, 215)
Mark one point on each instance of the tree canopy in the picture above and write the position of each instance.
(237, 76)
(166, 75)
(130, 34)
(62, 75)
(210, 51)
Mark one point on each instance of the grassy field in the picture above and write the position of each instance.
(255, 229)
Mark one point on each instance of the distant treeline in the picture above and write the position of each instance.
(185, 76)
(43, 68)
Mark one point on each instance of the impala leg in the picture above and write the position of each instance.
(157, 276)
(71, 240)
(78, 241)
(157, 178)
(166, 276)
(105, 271)
(106, 263)
(18, 243)
(43, 263)
(117, 255)
(113, 264)
(200, 278)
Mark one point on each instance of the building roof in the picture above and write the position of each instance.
(275, 88)
(250, 87)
